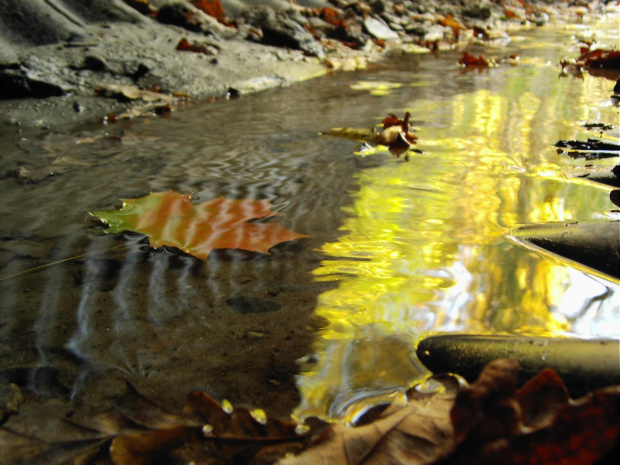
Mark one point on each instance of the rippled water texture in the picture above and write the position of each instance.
(396, 250)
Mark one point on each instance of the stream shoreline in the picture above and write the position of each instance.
(63, 63)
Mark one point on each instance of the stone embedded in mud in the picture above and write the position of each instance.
(18, 83)
(379, 30)
(285, 32)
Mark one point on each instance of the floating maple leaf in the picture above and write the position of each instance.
(171, 219)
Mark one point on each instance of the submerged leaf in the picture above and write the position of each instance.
(471, 60)
(225, 436)
(413, 434)
(486, 423)
(171, 219)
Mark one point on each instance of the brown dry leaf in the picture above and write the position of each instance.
(225, 435)
(470, 60)
(124, 92)
(196, 47)
(538, 424)
(416, 433)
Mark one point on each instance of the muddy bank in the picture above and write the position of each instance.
(59, 57)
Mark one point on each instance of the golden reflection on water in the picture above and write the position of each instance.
(424, 248)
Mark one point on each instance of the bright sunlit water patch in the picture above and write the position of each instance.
(425, 245)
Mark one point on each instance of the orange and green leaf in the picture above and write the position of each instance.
(172, 219)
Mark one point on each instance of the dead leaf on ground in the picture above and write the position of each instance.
(213, 8)
(196, 47)
(172, 219)
(149, 109)
(413, 434)
(456, 26)
(127, 93)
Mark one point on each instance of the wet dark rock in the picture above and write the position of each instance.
(478, 11)
(590, 149)
(40, 23)
(94, 63)
(595, 244)
(252, 305)
(583, 365)
(378, 6)
(285, 32)
(187, 16)
(609, 179)
(179, 14)
(19, 83)
(417, 29)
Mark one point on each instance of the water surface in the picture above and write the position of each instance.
(397, 250)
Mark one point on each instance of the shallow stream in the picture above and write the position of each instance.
(396, 249)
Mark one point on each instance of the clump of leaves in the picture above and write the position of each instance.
(155, 103)
(126, 93)
(596, 61)
(137, 431)
(445, 421)
(488, 422)
(393, 133)
(467, 60)
(172, 219)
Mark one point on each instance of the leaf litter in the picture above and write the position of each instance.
(444, 421)
(393, 133)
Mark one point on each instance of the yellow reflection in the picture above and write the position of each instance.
(425, 250)
(377, 88)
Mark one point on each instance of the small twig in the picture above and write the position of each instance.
(37, 268)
